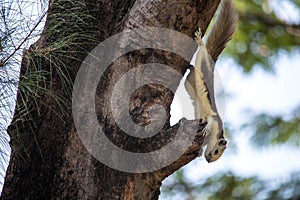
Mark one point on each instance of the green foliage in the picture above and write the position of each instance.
(48, 66)
(227, 186)
(261, 35)
(232, 187)
(276, 130)
(180, 186)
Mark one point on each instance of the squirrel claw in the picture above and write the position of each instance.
(206, 130)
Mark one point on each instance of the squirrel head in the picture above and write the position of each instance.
(216, 152)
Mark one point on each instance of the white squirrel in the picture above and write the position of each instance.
(201, 88)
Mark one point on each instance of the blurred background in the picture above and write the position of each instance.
(258, 79)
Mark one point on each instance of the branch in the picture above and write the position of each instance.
(185, 128)
(3, 61)
(192, 151)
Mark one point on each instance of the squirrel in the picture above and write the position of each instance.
(201, 88)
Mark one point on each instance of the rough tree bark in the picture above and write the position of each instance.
(48, 159)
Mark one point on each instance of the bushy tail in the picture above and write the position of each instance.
(222, 30)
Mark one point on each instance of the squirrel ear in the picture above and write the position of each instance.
(222, 142)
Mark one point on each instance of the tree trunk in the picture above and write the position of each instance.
(50, 159)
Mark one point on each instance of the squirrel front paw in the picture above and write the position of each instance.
(198, 37)
(208, 127)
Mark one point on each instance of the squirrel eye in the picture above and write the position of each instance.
(216, 152)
